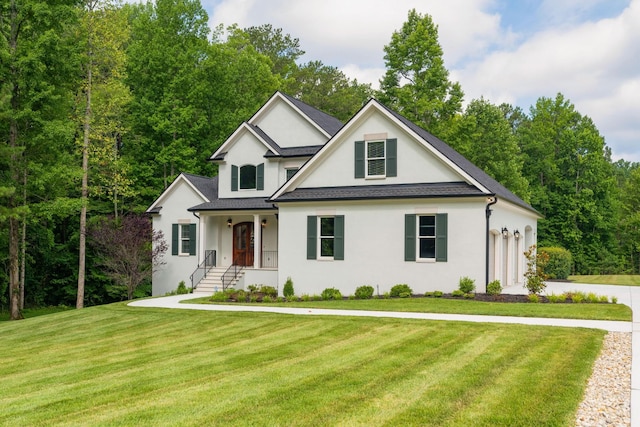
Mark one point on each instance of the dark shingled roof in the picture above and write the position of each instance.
(252, 203)
(207, 186)
(306, 151)
(330, 124)
(391, 191)
(475, 172)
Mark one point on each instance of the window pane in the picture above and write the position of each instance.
(427, 248)
(326, 227)
(290, 173)
(326, 247)
(184, 249)
(375, 149)
(184, 232)
(248, 177)
(375, 167)
(427, 226)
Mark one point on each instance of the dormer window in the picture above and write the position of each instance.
(247, 177)
(375, 159)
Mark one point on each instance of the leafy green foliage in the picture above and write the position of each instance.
(331, 294)
(467, 285)
(457, 293)
(287, 289)
(535, 276)
(494, 288)
(364, 292)
(559, 264)
(401, 290)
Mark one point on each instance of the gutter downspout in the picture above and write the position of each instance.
(493, 201)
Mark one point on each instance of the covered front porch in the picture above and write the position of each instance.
(238, 244)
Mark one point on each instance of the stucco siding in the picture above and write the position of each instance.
(288, 128)
(374, 247)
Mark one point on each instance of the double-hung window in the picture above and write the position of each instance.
(376, 158)
(425, 237)
(325, 237)
(183, 239)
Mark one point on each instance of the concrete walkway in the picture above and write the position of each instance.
(628, 295)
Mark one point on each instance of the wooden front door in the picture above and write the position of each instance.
(243, 244)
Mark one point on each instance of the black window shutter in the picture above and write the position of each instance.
(409, 237)
(174, 239)
(312, 235)
(338, 238)
(192, 239)
(234, 178)
(359, 159)
(392, 157)
(260, 177)
(441, 237)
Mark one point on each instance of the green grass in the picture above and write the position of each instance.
(117, 365)
(34, 312)
(620, 279)
(463, 306)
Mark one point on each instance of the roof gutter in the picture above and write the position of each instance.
(492, 201)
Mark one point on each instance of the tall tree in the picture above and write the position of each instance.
(417, 83)
(572, 183)
(282, 49)
(484, 136)
(31, 79)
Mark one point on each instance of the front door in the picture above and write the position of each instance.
(243, 244)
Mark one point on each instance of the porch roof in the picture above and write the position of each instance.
(245, 204)
(396, 191)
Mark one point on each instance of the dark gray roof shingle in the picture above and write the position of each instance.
(306, 151)
(207, 186)
(252, 203)
(330, 124)
(390, 191)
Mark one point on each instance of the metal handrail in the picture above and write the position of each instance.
(203, 268)
(226, 281)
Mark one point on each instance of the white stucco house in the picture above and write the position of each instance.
(376, 201)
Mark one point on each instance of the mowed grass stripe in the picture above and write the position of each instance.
(179, 367)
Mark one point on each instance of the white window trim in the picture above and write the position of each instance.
(320, 237)
(366, 159)
(418, 237)
(182, 239)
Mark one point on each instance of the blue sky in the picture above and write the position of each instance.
(505, 50)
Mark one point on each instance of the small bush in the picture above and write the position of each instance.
(219, 297)
(559, 264)
(316, 298)
(404, 295)
(614, 300)
(535, 276)
(331, 294)
(253, 298)
(253, 288)
(351, 297)
(437, 294)
(287, 290)
(578, 297)
(269, 290)
(267, 299)
(401, 288)
(494, 288)
(428, 294)
(291, 298)
(385, 295)
(182, 288)
(533, 298)
(603, 299)
(592, 298)
(305, 297)
(467, 285)
(553, 298)
(457, 293)
(469, 295)
(364, 292)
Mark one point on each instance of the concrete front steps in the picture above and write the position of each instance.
(213, 282)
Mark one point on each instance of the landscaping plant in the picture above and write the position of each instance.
(467, 285)
(364, 292)
(287, 290)
(401, 290)
(535, 276)
(331, 294)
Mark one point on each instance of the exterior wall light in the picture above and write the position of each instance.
(229, 222)
(516, 234)
(264, 223)
(505, 233)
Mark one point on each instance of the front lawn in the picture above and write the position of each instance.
(619, 279)
(119, 365)
(464, 306)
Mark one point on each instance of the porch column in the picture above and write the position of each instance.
(202, 225)
(257, 240)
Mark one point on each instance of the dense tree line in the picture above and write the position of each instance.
(103, 104)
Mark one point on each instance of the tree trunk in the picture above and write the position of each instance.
(23, 257)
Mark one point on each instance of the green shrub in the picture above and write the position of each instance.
(592, 298)
(386, 295)
(535, 275)
(253, 298)
(614, 300)
(533, 298)
(457, 293)
(305, 297)
(182, 288)
(239, 295)
(401, 288)
(364, 292)
(428, 294)
(559, 264)
(291, 298)
(269, 290)
(351, 297)
(316, 297)
(603, 299)
(437, 294)
(578, 297)
(253, 288)
(469, 295)
(494, 288)
(287, 290)
(467, 285)
(331, 294)
(404, 295)
(219, 297)
(553, 298)
(267, 299)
